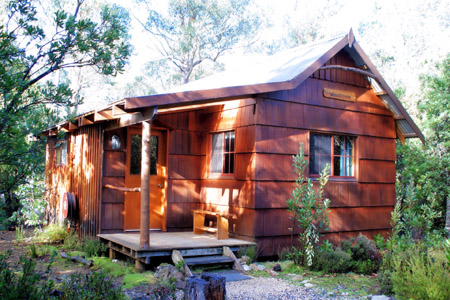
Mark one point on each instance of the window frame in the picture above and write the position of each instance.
(332, 156)
(223, 153)
(61, 145)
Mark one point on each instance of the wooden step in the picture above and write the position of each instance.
(208, 260)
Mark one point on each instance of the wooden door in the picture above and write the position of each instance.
(158, 179)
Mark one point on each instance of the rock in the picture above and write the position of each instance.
(298, 277)
(309, 285)
(246, 268)
(166, 271)
(277, 268)
(257, 267)
(246, 260)
(380, 297)
(205, 287)
(305, 281)
(115, 261)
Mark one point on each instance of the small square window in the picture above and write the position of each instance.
(335, 150)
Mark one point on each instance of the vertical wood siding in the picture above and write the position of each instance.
(86, 177)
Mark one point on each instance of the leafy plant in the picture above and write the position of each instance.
(164, 290)
(94, 285)
(71, 242)
(25, 285)
(53, 233)
(419, 273)
(332, 261)
(93, 247)
(251, 252)
(309, 209)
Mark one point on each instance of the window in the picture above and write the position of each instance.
(335, 150)
(61, 153)
(135, 156)
(222, 153)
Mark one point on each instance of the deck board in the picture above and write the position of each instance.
(168, 241)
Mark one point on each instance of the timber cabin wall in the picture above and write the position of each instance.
(80, 175)
(112, 202)
(286, 118)
(189, 184)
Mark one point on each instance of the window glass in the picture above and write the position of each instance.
(222, 152)
(61, 153)
(217, 153)
(135, 154)
(334, 150)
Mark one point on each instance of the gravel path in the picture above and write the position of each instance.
(274, 289)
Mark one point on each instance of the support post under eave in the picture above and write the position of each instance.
(144, 238)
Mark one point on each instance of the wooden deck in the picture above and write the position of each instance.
(163, 243)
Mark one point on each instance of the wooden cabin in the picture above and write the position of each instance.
(225, 144)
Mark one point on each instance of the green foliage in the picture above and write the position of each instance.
(427, 167)
(53, 233)
(25, 285)
(332, 260)
(132, 280)
(193, 32)
(31, 55)
(32, 202)
(163, 290)
(90, 286)
(113, 269)
(93, 247)
(379, 241)
(362, 257)
(309, 209)
(180, 265)
(447, 250)
(71, 242)
(419, 273)
(251, 252)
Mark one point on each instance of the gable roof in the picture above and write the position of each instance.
(282, 71)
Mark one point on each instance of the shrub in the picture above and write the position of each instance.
(93, 247)
(334, 260)
(53, 234)
(309, 209)
(25, 285)
(71, 242)
(365, 255)
(163, 290)
(94, 286)
(421, 274)
(251, 252)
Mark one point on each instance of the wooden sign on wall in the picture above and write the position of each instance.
(338, 94)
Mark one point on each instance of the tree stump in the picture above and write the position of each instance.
(205, 287)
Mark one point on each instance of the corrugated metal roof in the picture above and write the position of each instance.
(281, 67)
(282, 71)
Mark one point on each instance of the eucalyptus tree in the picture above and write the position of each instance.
(193, 32)
(32, 54)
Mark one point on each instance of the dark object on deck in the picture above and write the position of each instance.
(88, 263)
(205, 287)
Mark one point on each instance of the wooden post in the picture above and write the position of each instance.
(144, 238)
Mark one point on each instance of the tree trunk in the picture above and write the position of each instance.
(144, 237)
(205, 287)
